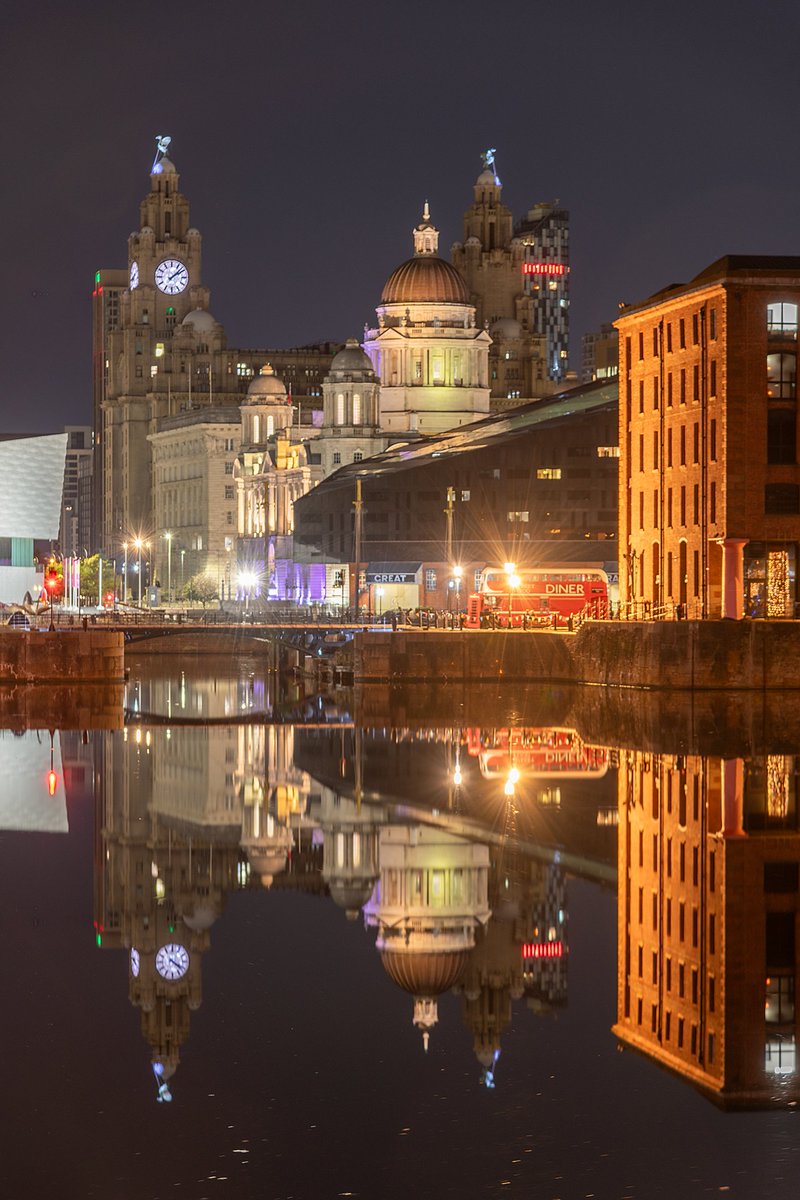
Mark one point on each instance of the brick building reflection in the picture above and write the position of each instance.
(709, 854)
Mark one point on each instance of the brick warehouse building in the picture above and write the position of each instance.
(709, 474)
(538, 484)
(708, 912)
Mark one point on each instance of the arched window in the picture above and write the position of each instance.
(270, 426)
(340, 409)
(356, 409)
(256, 428)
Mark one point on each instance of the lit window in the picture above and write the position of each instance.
(356, 409)
(153, 371)
(781, 376)
(782, 319)
(340, 409)
(430, 580)
(465, 495)
(548, 473)
(608, 451)
(518, 517)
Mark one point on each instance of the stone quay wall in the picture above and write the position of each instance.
(64, 657)
(474, 655)
(673, 655)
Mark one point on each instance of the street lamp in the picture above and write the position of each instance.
(138, 544)
(513, 580)
(168, 536)
(183, 555)
(457, 574)
(379, 592)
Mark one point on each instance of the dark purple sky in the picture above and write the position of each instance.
(307, 136)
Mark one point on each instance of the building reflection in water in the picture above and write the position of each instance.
(459, 901)
(709, 859)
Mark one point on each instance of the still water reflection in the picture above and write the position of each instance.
(374, 957)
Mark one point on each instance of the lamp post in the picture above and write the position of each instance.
(457, 574)
(512, 578)
(183, 555)
(138, 544)
(125, 574)
(168, 536)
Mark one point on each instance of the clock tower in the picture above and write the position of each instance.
(164, 286)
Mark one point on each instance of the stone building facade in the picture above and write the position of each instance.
(158, 352)
(195, 499)
(518, 280)
(427, 352)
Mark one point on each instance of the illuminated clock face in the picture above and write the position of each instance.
(171, 276)
(134, 283)
(172, 961)
(134, 962)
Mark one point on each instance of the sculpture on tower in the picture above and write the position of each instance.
(488, 157)
(162, 146)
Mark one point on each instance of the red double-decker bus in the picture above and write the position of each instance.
(507, 597)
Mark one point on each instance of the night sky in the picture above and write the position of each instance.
(308, 135)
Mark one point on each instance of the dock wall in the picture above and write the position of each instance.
(674, 655)
(64, 657)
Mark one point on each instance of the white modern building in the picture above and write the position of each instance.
(31, 490)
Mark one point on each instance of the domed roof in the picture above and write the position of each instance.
(351, 359)
(201, 319)
(350, 894)
(425, 278)
(203, 917)
(266, 863)
(267, 387)
(425, 973)
(507, 327)
(487, 178)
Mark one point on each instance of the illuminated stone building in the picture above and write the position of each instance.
(517, 954)
(429, 902)
(351, 421)
(600, 354)
(427, 352)
(708, 910)
(158, 352)
(194, 499)
(709, 475)
(272, 471)
(163, 865)
(518, 279)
